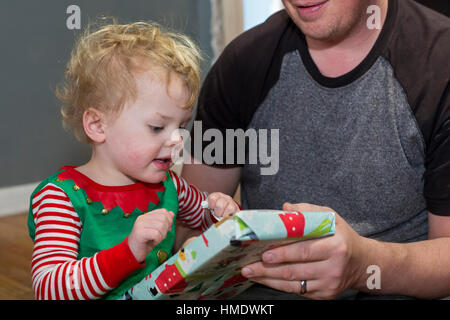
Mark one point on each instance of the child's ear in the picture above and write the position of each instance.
(94, 125)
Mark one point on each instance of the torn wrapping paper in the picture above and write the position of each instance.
(209, 267)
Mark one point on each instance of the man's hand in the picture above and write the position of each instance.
(148, 231)
(328, 265)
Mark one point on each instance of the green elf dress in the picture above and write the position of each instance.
(108, 214)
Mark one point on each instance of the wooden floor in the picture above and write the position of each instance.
(15, 256)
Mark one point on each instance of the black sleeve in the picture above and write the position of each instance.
(218, 105)
(437, 174)
(438, 5)
(419, 53)
(219, 100)
(237, 82)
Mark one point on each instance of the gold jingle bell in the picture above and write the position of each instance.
(162, 256)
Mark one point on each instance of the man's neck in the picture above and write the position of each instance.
(337, 57)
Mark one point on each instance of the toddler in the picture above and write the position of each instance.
(101, 227)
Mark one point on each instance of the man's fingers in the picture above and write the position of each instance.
(303, 207)
(287, 271)
(303, 251)
(312, 286)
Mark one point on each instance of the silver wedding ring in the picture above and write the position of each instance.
(302, 286)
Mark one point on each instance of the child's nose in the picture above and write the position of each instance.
(174, 139)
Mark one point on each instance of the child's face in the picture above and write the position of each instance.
(138, 143)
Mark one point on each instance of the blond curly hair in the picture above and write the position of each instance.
(101, 71)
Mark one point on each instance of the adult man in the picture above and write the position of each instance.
(364, 120)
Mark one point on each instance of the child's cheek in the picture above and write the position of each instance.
(133, 157)
(138, 155)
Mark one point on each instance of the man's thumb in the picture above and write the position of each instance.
(288, 207)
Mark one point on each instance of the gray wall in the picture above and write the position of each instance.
(35, 48)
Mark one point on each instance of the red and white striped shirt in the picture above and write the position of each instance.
(56, 272)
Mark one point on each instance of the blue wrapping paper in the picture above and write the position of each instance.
(209, 267)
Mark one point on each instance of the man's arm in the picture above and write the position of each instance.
(333, 264)
(438, 226)
(418, 269)
(212, 179)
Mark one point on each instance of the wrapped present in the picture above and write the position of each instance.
(209, 267)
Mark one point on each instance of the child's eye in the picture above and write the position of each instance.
(156, 129)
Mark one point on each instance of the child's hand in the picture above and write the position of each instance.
(222, 204)
(148, 231)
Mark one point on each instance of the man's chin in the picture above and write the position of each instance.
(316, 30)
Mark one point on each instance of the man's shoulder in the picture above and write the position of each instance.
(419, 47)
(263, 38)
(416, 16)
(421, 32)
(275, 24)
(414, 9)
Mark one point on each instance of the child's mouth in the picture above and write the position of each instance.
(163, 163)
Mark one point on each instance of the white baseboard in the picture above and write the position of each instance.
(16, 199)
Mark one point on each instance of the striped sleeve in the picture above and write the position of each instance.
(56, 272)
(189, 199)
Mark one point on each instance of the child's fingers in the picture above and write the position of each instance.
(230, 209)
(222, 204)
(224, 207)
(154, 235)
(161, 221)
(217, 206)
(162, 225)
(159, 214)
(212, 199)
(149, 230)
(156, 231)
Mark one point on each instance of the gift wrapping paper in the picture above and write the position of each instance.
(209, 267)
